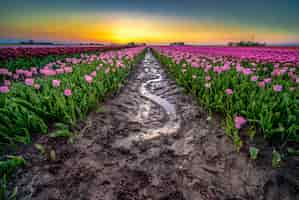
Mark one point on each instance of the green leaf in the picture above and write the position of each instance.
(253, 153)
(61, 133)
(40, 148)
(276, 159)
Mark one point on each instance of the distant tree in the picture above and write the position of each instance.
(246, 44)
(177, 44)
(131, 44)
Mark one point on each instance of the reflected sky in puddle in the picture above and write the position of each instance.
(171, 125)
(143, 113)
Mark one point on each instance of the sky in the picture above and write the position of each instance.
(151, 21)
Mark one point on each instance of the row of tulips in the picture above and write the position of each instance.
(254, 94)
(63, 91)
(283, 55)
(16, 52)
(58, 65)
(39, 57)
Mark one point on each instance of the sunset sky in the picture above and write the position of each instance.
(152, 21)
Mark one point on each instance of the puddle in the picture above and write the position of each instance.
(151, 69)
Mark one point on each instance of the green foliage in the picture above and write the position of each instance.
(7, 166)
(62, 130)
(61, 133)
(11, 163)
(253, 153)
(293, 152)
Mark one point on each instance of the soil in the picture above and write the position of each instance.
(151, 142)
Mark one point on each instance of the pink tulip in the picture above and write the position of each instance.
(267, 80)
(254, 78)
(20, 71)
(239, 68)
(56, 83)
(33, 70)
(7, 82)
(68, 69)
(28, 74)
(4, 89)
(207, 78)
(229, 91)
(247, 71)
(94, 73)
(15, 76)
(239, 121)
(59, 71)
(88, 79)
(277, 88)
(48, 72)
(261, 84)
(37, 86)
(3, 71)
(29, 81)
(67, 92)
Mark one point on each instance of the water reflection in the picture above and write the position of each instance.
(171, 125)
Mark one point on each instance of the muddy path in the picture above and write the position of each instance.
(150, 142)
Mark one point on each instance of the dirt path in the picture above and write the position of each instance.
(150, 142)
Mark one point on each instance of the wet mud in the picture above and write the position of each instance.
(151, 142)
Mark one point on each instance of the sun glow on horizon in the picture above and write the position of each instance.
(134, 27)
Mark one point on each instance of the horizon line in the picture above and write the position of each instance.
(16, 41)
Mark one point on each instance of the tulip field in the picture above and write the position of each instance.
(57, 94)
(60, 91)
(255, 88)
(38, 51)
(61, 120)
